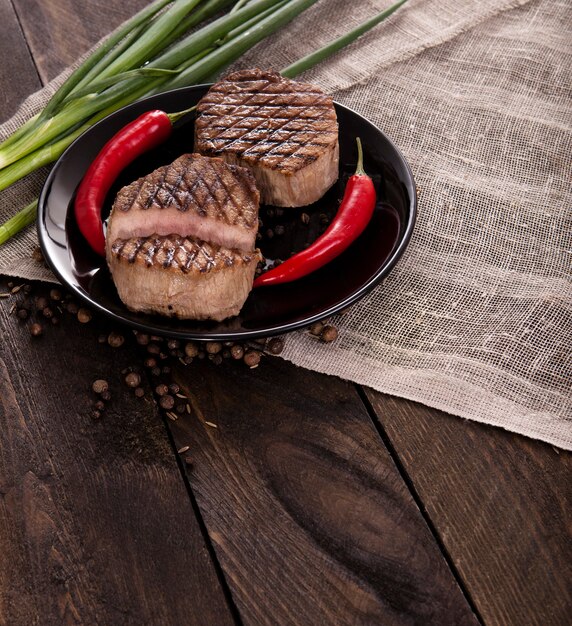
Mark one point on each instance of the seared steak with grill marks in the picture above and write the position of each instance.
(286, 132)
(194, 196)
(206, 269)
(181, 277)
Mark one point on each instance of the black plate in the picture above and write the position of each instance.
(269, 310)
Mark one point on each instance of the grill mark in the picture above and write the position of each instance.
(136, 191)
(229, 146)
(135, 251)
(323, 103)
(151, 199)
(230, 196)
(172, 189)
(257, 107)
(248, 135)
(192, 253)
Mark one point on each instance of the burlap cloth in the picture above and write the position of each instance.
(476, 318)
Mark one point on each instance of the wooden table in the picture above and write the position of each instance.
(312, 500)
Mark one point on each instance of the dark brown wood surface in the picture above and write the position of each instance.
(95, 520)
(303, 483)
(501, 504)
(311, 501)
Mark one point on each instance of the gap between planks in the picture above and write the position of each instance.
(415, 495)
(196, 509)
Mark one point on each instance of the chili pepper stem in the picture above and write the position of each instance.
(175, 117)
(359, 169)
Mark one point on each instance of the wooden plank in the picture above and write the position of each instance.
(96, 525)
(311, 521)
(18, 75)
(60, 31)
(501, 504)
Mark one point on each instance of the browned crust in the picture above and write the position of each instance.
(207, 186)
(179, 254)
(266, 120)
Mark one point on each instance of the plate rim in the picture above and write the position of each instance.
(275, 329)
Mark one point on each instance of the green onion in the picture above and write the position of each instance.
(17, 223)
(233, 49)
(81, 109)
(91, 63)
(140, 50)
(100, 54)
(326, 51)
(113, 77)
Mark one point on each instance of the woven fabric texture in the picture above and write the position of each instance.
(476, 318)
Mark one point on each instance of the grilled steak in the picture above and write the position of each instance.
(286, 132)
(181, 277)
(193, 196)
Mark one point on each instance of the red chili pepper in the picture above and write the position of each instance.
(353, 216)
(146, 132)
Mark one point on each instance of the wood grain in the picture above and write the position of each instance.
(18, 75)
(60, 31)
(501, 504)
(95, 522)
(310, 519)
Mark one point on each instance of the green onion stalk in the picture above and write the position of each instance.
(83, 108)
(148, 55)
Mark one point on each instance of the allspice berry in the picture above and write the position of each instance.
(161, 389)
(316, 328)
(115, 340)
(275, 345)
(191, 349)
(167, 402)
(252, 358)
(36, 330)
(237, 351)
(329, 333)
(133, 380)
(142, 339)
(99, 386)
(83, 315)
(214, 347)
